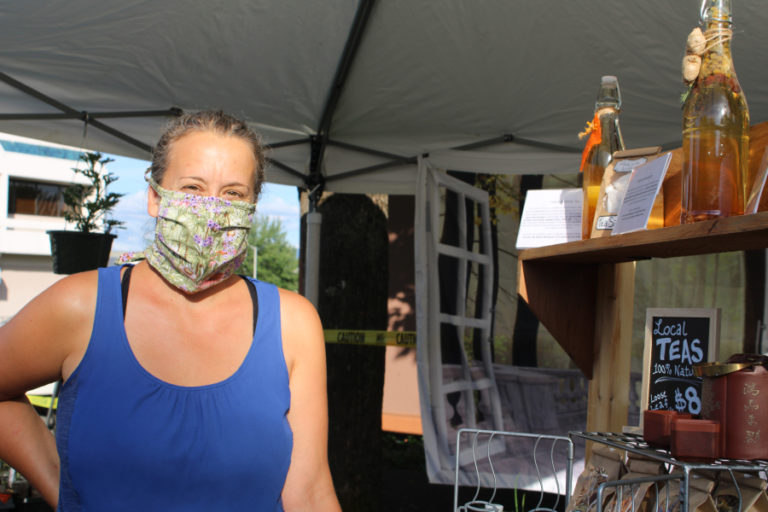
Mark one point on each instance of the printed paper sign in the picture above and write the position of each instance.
(638, 200)
(550, 216)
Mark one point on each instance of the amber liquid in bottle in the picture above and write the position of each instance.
(715, 136)
(598, 158)
(656, 219)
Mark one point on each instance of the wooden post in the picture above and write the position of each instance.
(609, 386)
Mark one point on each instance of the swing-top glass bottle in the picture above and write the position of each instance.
(715, 177)
(607, 109)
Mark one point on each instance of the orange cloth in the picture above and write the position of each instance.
(595, 136)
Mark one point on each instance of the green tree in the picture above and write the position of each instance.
(89, 205)
(276, 259)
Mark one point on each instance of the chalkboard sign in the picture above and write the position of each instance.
(675, 340)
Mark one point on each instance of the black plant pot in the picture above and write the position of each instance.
(75, 251)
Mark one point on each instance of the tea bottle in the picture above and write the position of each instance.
(605, 138)
(715, 177)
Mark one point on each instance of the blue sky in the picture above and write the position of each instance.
(276, 201)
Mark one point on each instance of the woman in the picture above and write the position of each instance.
(186, 387)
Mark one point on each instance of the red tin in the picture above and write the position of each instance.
(738, 400)
(657, 426)
(695, 440)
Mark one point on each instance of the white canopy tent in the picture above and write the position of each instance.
(351, 92)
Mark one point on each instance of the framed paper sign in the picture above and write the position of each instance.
(675, 340)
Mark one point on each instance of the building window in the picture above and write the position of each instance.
(35, 198)
(40, 150)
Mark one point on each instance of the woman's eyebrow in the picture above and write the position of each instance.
(236, 184)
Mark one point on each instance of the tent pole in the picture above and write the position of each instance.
(312, 258)
(315, 182)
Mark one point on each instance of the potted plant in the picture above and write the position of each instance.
(87, 206)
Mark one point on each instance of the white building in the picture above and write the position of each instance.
(32, 176)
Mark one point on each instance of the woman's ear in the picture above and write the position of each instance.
(153, 202)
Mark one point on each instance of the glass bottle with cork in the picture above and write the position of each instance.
(715, 169)
(604, 139)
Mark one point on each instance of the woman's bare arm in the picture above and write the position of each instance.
(42, 343)
(308, 485)
(28, 446)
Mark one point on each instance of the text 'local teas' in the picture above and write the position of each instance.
(678, 348)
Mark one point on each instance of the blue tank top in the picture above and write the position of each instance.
(129, 441)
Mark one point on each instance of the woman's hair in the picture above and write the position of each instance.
(214, 121)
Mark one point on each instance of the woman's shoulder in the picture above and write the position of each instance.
(52, 328)
(299, 309)
(296, 301)
(72, 296)
(66, 307)
(302, 331)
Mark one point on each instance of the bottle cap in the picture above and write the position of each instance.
(609, 94)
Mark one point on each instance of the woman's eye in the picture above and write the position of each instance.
(234, 193)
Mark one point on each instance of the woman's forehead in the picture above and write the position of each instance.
(207, 152)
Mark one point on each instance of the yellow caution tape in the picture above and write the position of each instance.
(392, 338)
(43, 401)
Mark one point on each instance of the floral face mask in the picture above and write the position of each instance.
(199, 240)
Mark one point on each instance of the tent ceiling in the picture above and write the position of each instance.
(426, 76)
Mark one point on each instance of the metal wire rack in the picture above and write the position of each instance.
(683, 470)
(489, 445)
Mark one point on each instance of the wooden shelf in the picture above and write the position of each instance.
(560, 282)
(721, 235)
